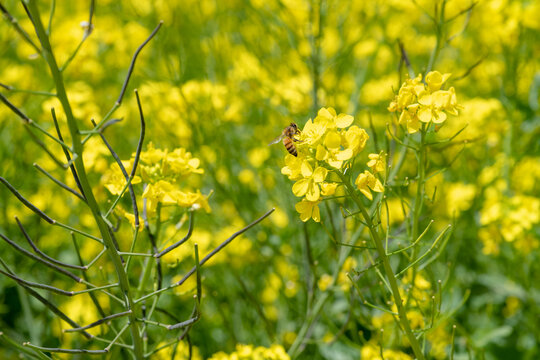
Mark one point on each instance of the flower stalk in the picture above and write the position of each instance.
(48, 55)
(378, 242)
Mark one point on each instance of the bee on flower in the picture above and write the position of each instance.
(325, 146)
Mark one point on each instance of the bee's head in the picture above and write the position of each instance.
(295, 127)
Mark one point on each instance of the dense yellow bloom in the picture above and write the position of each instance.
(372, 351)
(162, 173)
(157, 164)
(167, 194)
(424, 103)
(250, 352)
(325, 145)
(366, 182)
(114, 179)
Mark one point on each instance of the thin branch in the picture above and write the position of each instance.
(58, 182)
(47, 303)
(37, 285)
(184, 239)
(35, 353)
(66, 153)
(126, 176)
(179, 325)
(42, 254)
(80, 232)
(25, 202)
(414, 243)
(132, 65)
(29, 122)
(138, 154)
(42, 145)
(426, 253)
(66, 351)
(207, 257)
(470, 69)
(449, 139)
(405, 58)
(87, 31)
(152, 238)
(19, 29)
(51, 15)
(99, 322)
(26, 91)
(38, 259)
(398, 140)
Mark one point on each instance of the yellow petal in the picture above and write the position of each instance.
(425, 99)
(367, 193)
(326, 113)
(303, 206)
(404, 117)
(307, 170)
(335, 163)
(328, 189)
(439, 117)
(425, 115)
(434, 80)
(345, 154)
(316, 215)
(377, 186)
(313, 193)
(301, 187)
(319, 174)
(332, 140)
(361, 180)
(440, 98)
(344, 120)
(305, 216)
(413, 125)
(321, 153)
(445, 77)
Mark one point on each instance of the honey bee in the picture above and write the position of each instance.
(288, 137)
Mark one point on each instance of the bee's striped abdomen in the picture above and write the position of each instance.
(290, 146)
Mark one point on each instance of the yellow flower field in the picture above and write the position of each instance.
(270, 180)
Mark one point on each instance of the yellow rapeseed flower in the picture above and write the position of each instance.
(377, 162)
(424, 103)
(308, 210)
(309, 185)
(366, 182)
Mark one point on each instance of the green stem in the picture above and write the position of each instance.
(48, 55)
(418, 202)
(312, 315)
(403, 320)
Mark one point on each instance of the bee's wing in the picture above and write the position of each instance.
(278, 139)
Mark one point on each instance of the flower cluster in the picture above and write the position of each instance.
(161, 171)
(248, 352)
(419, 102)
(325, 145)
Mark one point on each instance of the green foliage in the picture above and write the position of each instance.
(220, 80)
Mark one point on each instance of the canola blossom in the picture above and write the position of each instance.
(165, 176)
(325, 145)
(419, 102)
